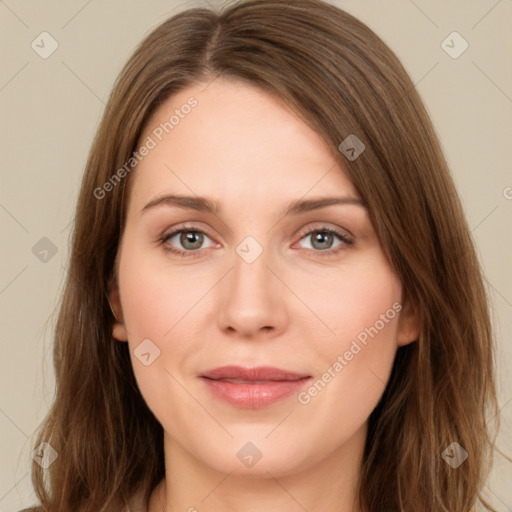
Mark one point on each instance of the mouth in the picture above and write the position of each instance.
(258, 374)
(243, 381)
(253, 388)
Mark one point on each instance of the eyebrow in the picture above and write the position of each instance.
(204, 204)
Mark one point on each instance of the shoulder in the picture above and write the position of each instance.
(136, 504)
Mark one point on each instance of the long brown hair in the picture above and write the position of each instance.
(341, 79)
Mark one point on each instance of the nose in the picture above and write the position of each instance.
(252, 301)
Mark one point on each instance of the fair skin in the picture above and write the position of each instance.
(293, 307)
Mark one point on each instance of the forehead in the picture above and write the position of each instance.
(237, 141)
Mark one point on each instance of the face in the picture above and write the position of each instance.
(249, 284)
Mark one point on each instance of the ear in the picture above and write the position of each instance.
(408, 324)
(119, 331)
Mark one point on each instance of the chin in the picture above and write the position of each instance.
(257, 459)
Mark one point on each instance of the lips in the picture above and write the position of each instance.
(253, 388)
(259, 374)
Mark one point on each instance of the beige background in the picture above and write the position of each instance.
(50, 109)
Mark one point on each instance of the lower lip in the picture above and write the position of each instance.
(254, 396)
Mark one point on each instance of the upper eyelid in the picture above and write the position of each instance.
(178, 229)
(323, 227)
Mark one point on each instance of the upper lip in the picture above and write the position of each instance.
(259, 373)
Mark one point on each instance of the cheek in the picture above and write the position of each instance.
(158, 304)
(156, 297)
(353, 300)
(361, 308)
(154, 301)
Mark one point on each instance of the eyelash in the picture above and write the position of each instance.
(347, 242)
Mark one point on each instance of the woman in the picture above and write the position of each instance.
(205, 357)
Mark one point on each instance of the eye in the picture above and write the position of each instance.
(190, 239)
(322, 240)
